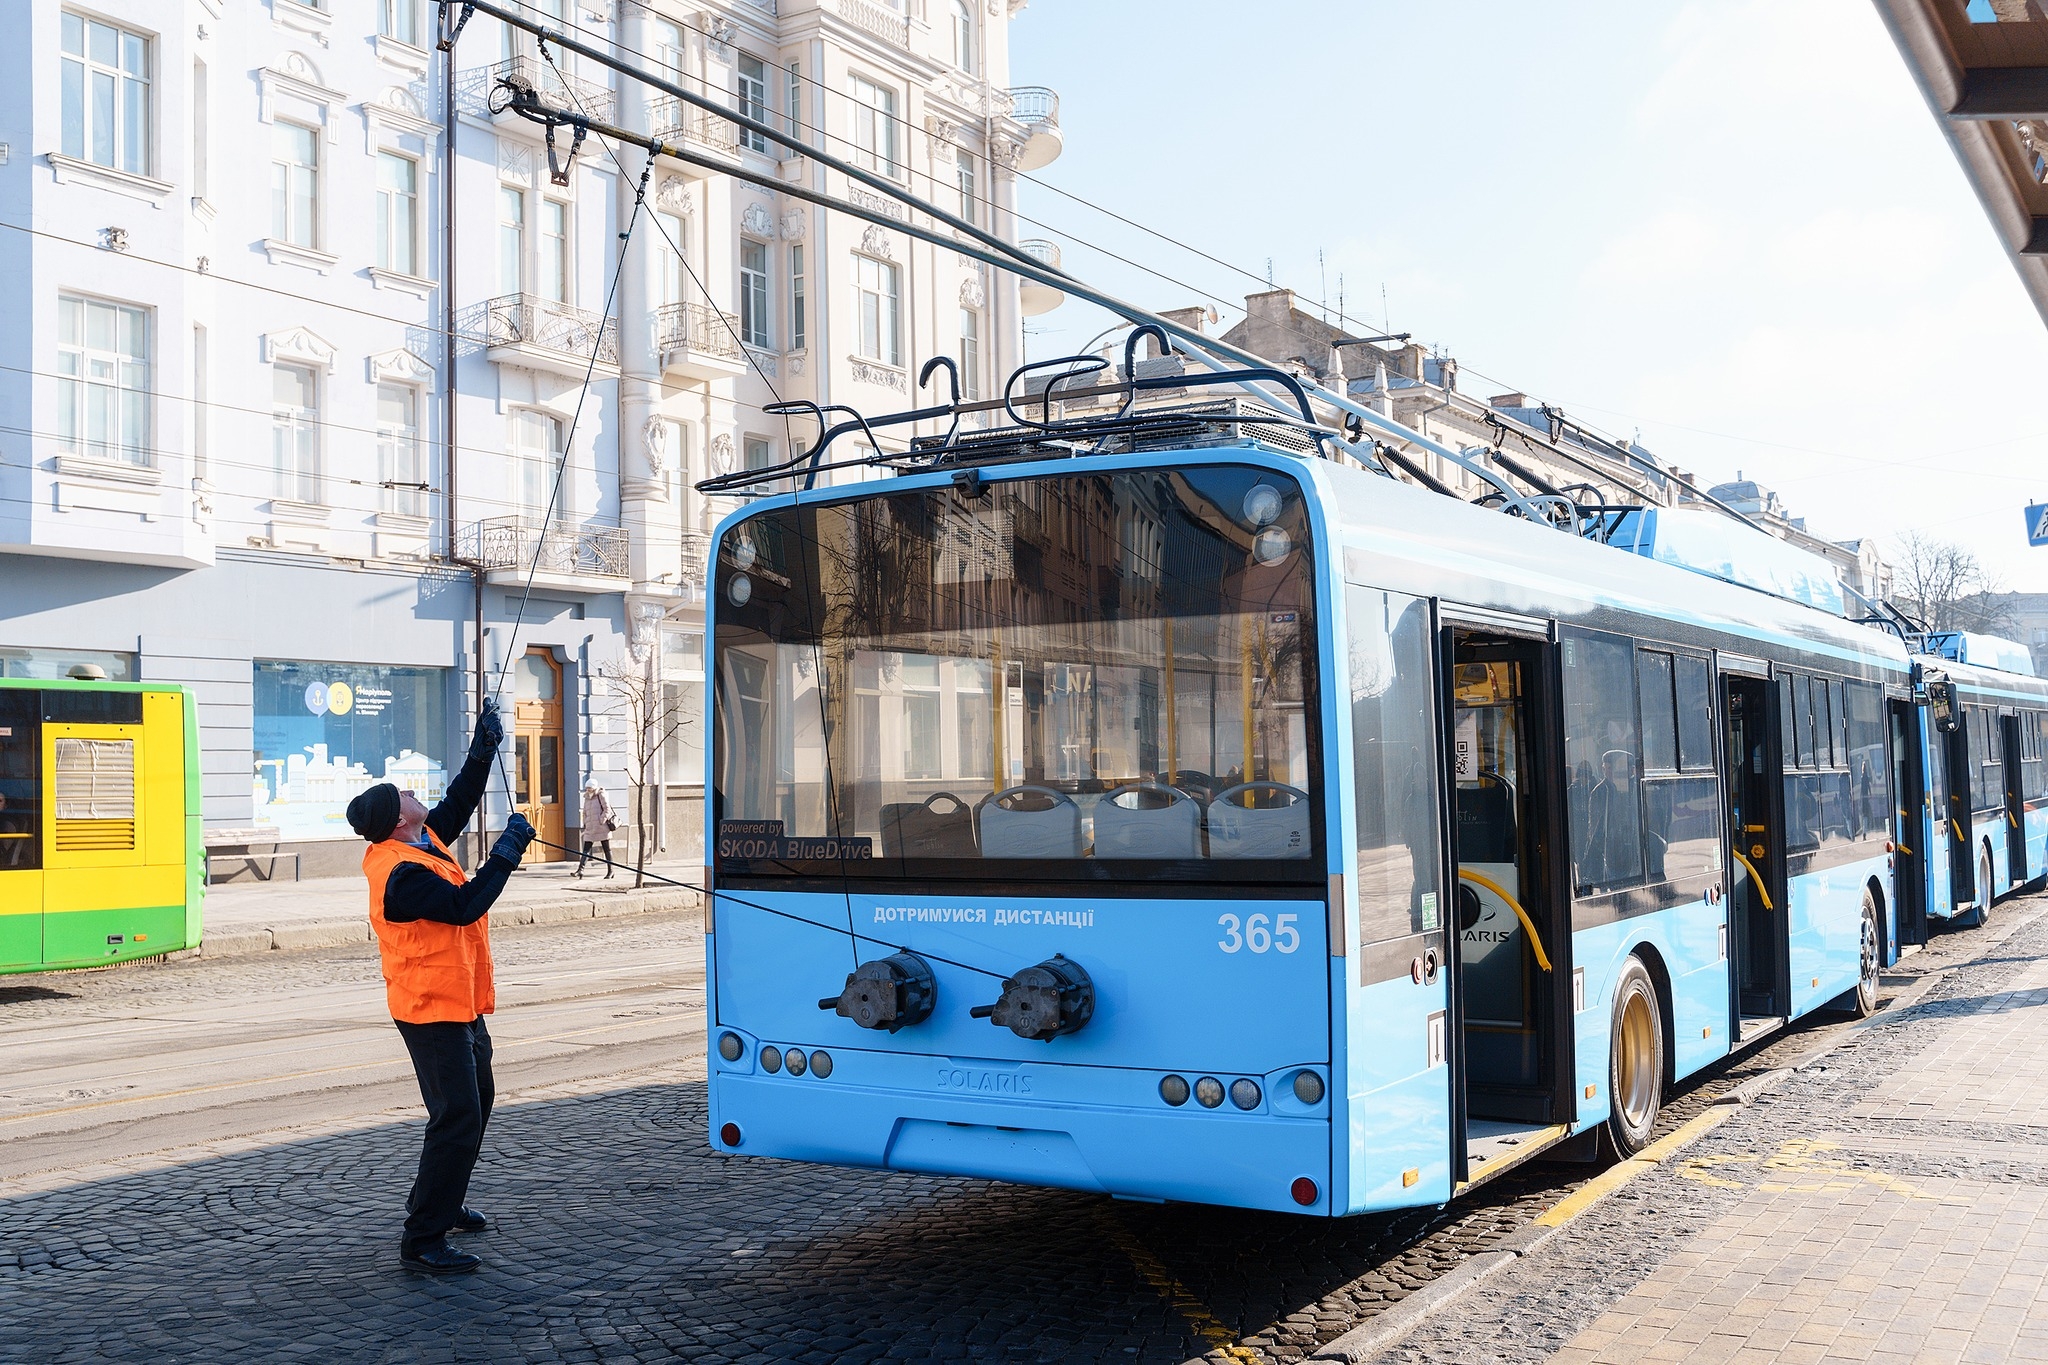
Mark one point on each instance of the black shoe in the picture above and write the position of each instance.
(438, 1258)
(469, 1220)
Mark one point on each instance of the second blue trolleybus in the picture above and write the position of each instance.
(1174, 814)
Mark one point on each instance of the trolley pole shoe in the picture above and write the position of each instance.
(438, 1258)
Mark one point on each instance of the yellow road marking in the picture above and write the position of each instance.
(1796, 1158)
(293, 1076)
(1614, 1177)
(1155, 1273)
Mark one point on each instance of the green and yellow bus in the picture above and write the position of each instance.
(101, 852)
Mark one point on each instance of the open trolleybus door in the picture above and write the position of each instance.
(1909, 825)
(1753, 788)
(2015, 802)
(1961, 774)
(1511, 1052)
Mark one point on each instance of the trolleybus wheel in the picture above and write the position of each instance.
(1870, 959)
(1635, 1062)
(1980, 915)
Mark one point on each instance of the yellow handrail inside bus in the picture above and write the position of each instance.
(1764, 895)
(1957, 827)
(1535, 939)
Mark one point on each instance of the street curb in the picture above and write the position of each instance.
(330, 933)
(1376, 1334)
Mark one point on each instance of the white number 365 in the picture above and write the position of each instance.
(1257, 936)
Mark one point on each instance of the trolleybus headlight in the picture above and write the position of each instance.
(729, 1134)
(730, 1047)
(1308, 1087)
(1174, 1090)
(795, 1061)
(1304, 1191)
(740, 590)
(1262, 504)
(1208, 1092)
(1270, 546)
(1244, 1093)
(771, 1060)
(821, 1064)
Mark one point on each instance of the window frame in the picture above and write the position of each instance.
(756, 295)
(282, 225)
(388, 27)
(386, 197)
(405, 502)
(531, 504)
(799, 304)
(963, 27)
(887, 346)
(129, 399)
(556, 251)
(517, 241)
(969, 356)
(299, 479)
(877, 137)
(756, 102)
(124, 90)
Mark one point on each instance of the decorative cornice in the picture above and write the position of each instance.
(875, 372)
(401, 365)
(877, 241)
(793, 225)
(300, 345)
(756, 221)
(296, 77)
(70, 170)
(416, 285)
(290, 253)
(399, 109)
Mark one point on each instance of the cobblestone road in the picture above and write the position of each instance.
(621, 1237)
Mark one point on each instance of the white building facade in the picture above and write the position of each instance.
(296, 370)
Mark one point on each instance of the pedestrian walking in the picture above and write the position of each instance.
(436, 948)
(599, 820)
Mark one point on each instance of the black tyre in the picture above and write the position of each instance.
(1981, 915)
(1635, 1060)
(1870, 959)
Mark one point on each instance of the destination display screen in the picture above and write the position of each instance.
(1104, 677)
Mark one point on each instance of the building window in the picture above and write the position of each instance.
(669, 49)
(877, 284)
(554, 250)
(399, 19)
(103, 380)
(201, 457)
(757, 451)
(511, 238)
(536, 458)
(668, 254)
(106, 94)
(970, 355)
(963, 174)
(753, 100)
(794, 98)
(963, 36)
(294, 184)
(398, 209)
(199, 135)
(874, 128)
(799, 330)
(295, 433)
(753, 292)
(401, 456)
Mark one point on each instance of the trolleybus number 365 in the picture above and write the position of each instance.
(1257, 937)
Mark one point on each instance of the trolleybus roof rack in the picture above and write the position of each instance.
(1046, 436)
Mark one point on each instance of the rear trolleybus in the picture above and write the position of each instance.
(101, 856)
(1176, 815)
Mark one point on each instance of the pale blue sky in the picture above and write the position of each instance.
(1729, 225)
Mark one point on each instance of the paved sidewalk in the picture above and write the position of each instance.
(1887, 1203)
(257, 917)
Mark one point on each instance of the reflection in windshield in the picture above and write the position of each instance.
(1086, 669)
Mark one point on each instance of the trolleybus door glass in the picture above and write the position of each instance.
(1909, 823)
(2015, 804)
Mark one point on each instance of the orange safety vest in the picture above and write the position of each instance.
(434, 973)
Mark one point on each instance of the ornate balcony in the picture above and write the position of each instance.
(554, 87)
(1037, 108)
(699, 342)
(674, 121)
(1034, 298)
(587, 558)
(880, 20)
(539, 334)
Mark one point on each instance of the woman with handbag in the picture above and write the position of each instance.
(599, 821)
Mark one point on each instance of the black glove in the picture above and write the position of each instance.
(511, 845)
(490, 733)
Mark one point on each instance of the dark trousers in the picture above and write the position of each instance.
(607, 856)
(453, 1063)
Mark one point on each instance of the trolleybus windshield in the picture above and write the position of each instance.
(1102, 677)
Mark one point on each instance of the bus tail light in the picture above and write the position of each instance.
(729, 1134)
(1308, 1087)
(1304, 1190)
(1174, 1090)
(1245, 1094)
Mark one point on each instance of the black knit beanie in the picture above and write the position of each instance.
(374, 814)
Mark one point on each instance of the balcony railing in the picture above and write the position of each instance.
(588, 98)
(694, 327)
(881, 20)
(674, 121)
(527, 544)
(530, 320)
(1031, 105)
(1044, 252)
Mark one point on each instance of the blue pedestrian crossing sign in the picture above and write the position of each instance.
(2037, 524)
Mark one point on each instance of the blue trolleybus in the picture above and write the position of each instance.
(1177, 814)
(1976, 790)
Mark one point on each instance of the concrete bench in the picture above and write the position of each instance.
(239, 846)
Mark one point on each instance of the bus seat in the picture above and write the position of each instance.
(1486, 821)
(913, 829)
(1050, 827)
(1169, 828)
(1265, 832)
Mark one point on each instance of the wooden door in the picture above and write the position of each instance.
(537, 781)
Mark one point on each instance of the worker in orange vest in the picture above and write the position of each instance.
(436, 948)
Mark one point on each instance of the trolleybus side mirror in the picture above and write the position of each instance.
(1941, 702)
